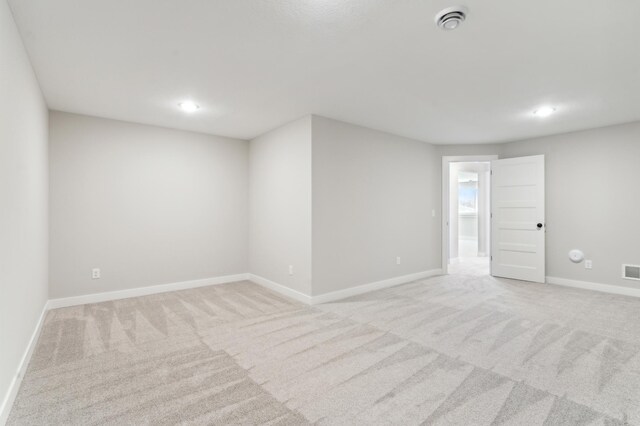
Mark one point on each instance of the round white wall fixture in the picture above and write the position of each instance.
(576, 256)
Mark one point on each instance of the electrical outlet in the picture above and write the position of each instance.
(588, 264)
(95, 273)
(290, 269)
(398, 260)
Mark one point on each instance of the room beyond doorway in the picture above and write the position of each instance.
(466, 214)
(469, 210)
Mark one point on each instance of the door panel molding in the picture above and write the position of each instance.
(517, 211)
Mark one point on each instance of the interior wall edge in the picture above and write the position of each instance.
(23, 206)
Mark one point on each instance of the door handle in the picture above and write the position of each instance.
(539, 225)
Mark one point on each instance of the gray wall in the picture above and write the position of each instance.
(146, 205)
(592, 200)
(373, 194)
(23, 201)
(280, 205)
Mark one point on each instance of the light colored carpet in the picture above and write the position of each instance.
(464, 349)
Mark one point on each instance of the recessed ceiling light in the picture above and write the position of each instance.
(544, 111)
(188, 106)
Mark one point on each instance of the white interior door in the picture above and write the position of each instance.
(517, 218)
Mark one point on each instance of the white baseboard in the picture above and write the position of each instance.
(378, 285)
(341, 294)
(279, 288)
(10, 396)
(603, 288)
(142, 291)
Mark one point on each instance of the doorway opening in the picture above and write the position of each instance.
(467, 214)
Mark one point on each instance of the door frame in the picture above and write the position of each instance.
(446, 163)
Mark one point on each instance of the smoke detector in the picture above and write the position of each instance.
(450, 18)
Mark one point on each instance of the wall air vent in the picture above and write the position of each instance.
(631, 272)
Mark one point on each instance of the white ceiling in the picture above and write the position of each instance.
(255, 64)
